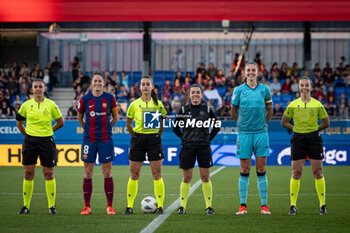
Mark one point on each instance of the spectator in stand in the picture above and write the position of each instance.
(339, 70)
(327, 70)
(283, 71)
(331, 107)
(75, 68)
(297, 95)
(167, 86)
(200, 69)
(125, 80)
(343, 100)
(188, 75)
(15, 68)
(175, 105)
(78, 92)
(56, 68)
(5, 68)
(132, 95)
(40, 73)
(17, 101)
(275, 87)
(212, 70)
(180, 77)
(220, 78)
(5, 108)
(329, 79)
(15, 109)
(286, 87)
(295, 75)
(225, 111)
(229, 78)
(46, 80)
(72, 112)
(319, 80)
(116, 80)
(274, 71)
(122, 94)
(137, 88)
(294, 86)
(187, 85)
(24, 86)
(259, 62)
(3, 79)
(317, 92)
(316, 69)
(278, 110)
(293, 69)
(343, 111)
(24, 68)
(322, 100)
(330, 93)
(211, 85)
(177, 87)
(263, 81)
(12, 86)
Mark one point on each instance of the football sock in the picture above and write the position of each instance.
(159, 191)
(132, 191)
(207, 189)
(28, 186)
(262, 185)
(184, 192)
(243, 184)
(109, 190)
(321, 190)
(294, 190)
(51, 192)
(87, 189)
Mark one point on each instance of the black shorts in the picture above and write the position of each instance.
(140, 144)
(44, 147)
(188, 156)
(307, 144)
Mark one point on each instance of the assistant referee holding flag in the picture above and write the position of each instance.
(39, 112)
(306, 141)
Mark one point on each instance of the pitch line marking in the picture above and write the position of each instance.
(151, 227)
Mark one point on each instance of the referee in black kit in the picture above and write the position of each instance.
(38, 112)
(196, 119)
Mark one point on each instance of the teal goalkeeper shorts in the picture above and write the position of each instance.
(249, 143)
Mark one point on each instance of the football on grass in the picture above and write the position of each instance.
(149, 205)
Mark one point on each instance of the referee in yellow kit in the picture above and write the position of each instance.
(306, 141)
(39, 112)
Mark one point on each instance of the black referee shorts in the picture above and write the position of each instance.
(189, 155)
(140, 144)
(44, 147)
(307, 144)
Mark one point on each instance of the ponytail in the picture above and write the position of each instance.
(154, 97)
(153, 93)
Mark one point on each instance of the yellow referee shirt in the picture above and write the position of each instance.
(147, 115)
(39, 117)
(305, 115)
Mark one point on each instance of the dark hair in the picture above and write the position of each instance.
(153, 93)
(38, 80)
(197, 85)
(100, 74)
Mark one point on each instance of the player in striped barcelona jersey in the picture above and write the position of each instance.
(252, 109)
(98, 107)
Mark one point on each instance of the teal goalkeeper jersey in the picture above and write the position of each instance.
(251, 104)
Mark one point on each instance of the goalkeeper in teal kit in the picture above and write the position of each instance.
(252, 109)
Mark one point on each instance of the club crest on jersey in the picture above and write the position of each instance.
(92, 113)
(151, 120)
(104, 105)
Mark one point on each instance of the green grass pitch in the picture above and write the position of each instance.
(69, 203)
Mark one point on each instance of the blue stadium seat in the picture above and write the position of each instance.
(276, 99)
(286, 98)
(169, 75)
(136, 76)
(158, 77)
(221, 90)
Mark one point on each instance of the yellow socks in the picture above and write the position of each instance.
(184, 192)
(51, 192)
(159, 191)
(28, 186)
(207, 192)
(294, 190)
(321, 190)
(131, 192)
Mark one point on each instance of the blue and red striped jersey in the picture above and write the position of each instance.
(97, 112)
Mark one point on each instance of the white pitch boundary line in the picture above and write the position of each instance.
(151, 227)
